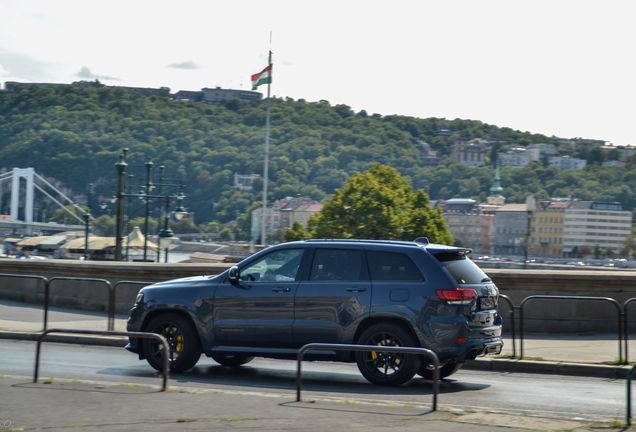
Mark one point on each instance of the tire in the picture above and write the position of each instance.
(182, 337)
(232, 360)
(387, 369)
(447, 370)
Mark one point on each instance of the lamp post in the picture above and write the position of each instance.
(121, 174)
(148, 189)
(530, 207)
(87, 220)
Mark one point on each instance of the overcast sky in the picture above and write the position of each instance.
(563, 68)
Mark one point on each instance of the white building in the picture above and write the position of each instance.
(514, 159)
(589, 223)
(538, 151)
(567, 162)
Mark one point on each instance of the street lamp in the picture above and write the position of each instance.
(87, 220)
(530, 207)
(166, 235)
(121, 174)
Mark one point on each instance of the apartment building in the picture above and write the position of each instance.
(510, 230)
(591, 223)
(567, 162)
(517, 158)
(470, 223)
(547, 228)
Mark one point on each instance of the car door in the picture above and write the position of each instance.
(333, 298)
(258, 310)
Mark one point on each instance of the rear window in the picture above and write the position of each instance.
(463, 270)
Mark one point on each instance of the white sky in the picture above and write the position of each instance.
(557, 67)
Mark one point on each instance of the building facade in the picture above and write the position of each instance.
(567, 162)
(471, 153)
(470, 223)
(547, 228)
(282, 214)
(514, 159)
(590, 223)
(510, 230)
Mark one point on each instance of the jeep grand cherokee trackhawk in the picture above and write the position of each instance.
(385, 293)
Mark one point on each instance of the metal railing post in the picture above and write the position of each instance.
(160, 338)
(46, 288)
(61, 278)
(512, 323)
(344, 347)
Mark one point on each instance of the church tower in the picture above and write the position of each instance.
(495, 197)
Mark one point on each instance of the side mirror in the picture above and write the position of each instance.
(234, 274)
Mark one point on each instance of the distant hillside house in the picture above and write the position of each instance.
(567, 162)
(471, 153)
(517, 158)
(538, 151)
(245, 182)
(218, 94)
(429, 157)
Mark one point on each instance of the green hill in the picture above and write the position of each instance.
(74, 135)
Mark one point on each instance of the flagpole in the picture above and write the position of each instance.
(265, 168)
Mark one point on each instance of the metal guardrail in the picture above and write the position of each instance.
(112, 300)
(628, 418)
(512, 322)
(42, 278)
(548, 297)
(626, 326)
(345, 347)
(160, 338)
(47, 293)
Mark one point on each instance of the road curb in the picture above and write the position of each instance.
(115, 341)
(549, 367)
(495, 365)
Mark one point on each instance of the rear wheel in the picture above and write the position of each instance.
(232, 360)
(387, 368)
(183, 342)
(426, 371)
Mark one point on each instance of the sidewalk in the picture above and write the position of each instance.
(574, 354)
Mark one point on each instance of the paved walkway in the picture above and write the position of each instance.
(63, 405)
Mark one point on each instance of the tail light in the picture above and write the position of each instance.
(460, 296)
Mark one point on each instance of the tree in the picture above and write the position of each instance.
(585, 250)
(104, 226)
(629, 246)
(296, 232)
(184, 226)
(379, 204)
(597, 251)
(610, 253)
(62, 216)
(575, 251)
(141, 223)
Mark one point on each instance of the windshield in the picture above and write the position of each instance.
(463, 270)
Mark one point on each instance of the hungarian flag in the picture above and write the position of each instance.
(265, 77)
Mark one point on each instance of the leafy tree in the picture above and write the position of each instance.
(296, 232)
(62, 216)
(629, 246)
(141, 223)
(597, 251)
(378, 204)
(610, 253)
(226, 234)
(104, 226)
(585, 250)
(184, 226)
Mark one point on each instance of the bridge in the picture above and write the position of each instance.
(28, 225)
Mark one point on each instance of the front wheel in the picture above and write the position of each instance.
(387, 368)
(426, 371)
(183, 341)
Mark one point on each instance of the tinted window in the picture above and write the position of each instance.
(336, 264)
(277, 266)
(391, 266)
(463, 270)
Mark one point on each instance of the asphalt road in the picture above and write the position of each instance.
(592, 399)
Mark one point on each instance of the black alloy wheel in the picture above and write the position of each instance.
(387, 368)
(182, 338)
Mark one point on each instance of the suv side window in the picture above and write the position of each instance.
(392, 266)
(336, 265)
(277, 266)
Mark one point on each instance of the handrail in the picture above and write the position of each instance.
(61, 278)
(628, 420)
(112, 300)
(549, 297)
(626, 326)
(512, 322)
(345, 347)
(160, 338)
(42, 278)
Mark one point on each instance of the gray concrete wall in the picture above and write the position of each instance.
(540, 315)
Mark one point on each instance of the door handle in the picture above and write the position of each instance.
(356, 289)
(281, 289)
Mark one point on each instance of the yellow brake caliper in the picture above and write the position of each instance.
(179, 347)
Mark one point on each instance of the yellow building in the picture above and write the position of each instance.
(547, 224)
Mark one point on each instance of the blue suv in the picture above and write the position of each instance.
(384, 293)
